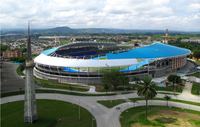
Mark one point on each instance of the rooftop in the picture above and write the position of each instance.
(155, 50)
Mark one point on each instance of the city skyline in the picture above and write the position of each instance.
(181, 15)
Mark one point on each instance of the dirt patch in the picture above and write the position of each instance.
(166, 120)
(183, 119)
(169, 112)
(139, 125)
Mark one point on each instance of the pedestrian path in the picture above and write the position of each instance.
(92, 89)
(187, 95)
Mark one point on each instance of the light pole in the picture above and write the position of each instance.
(92, 116)
(125, 120)
(134, 101)
(79, 110)
(92, 121)
(199, 94)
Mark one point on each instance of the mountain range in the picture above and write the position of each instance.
(71, 31)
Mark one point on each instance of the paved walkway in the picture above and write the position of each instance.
(186, 94)
(92, 89)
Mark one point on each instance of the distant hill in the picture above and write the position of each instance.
(70, 31)
(56, 31)
(67, 30)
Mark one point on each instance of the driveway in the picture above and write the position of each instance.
(10, 81)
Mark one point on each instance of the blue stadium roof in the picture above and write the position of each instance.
(155, 50)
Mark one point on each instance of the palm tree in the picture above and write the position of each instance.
(147, 90)
(167, 98)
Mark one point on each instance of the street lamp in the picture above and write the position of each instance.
(93, 122)
(134, 101)
(92, 117)
(79, 110)
(199, 94)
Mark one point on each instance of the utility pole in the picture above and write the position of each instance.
(30, 111)
(92, 117)
(79, 111)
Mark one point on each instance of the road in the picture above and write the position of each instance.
(10, 81)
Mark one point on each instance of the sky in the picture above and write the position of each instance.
(181, 15)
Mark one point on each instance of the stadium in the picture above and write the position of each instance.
(85, 62)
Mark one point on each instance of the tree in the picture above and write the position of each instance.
(124, 81)
(174, 79)
(136, 79)
(196, 54)
(18, 59)
(106, 87)
(167, 98)
(113, 79)
(23, 50)
(147, 90)
(3, 47)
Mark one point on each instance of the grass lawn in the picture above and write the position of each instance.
(53, 84)
(168, 93)
(56, 85)
(113, 103)
(197, 62)
(19, 70)
(186, 102)
(178, 88)
(55, 91)
(63, 42)
(160, 116)
(197, 74)
(196, 89)
(50, 114)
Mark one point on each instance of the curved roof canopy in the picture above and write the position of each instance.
(67, 62)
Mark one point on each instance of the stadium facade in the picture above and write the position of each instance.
(85, 62)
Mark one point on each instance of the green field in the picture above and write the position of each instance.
(159, 116)
(21, 92)
(20, 70)
(56, 85)
(196, 89)
(64, 41)
(50, 114)
(197, 74)
(197, 62)
(53, 84)
(178, 88)
(113, 103)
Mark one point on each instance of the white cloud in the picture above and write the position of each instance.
(130, 14)
(195, 7)
(160, 2)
